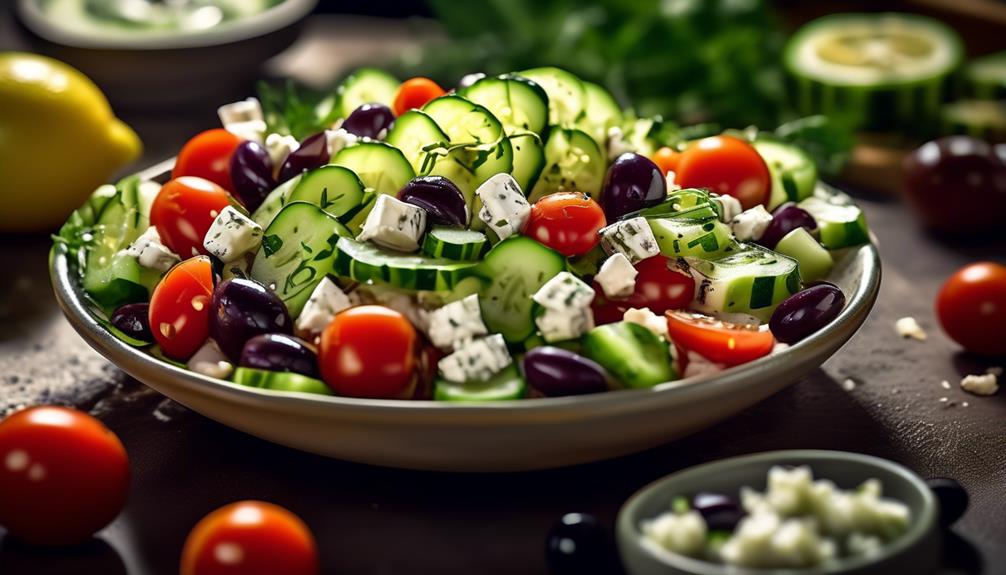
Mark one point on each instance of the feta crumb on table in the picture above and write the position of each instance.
(751, 224)
(394, 224)
(326, 300)
(477, 360)
(151, 253)
(617, 277)
(986, 384)
(908, 327)
(232, 235)
(505, 210)
(454, 324)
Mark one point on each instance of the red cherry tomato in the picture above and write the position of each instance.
(718, 341)
(250, 538)
(567, 222)
(180, 308)
(727, 166)
(63, 475)
(972, 308)
(415, 93)
(208, 156)
(666, 159)
(183, 212)
(368, 351)
(658, 287)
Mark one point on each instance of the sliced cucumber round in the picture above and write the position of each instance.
(275, 201)
(601, 112)
(279, 381)
(335, 189)
(382, 168)
(528, 159)
(686, 203)
(567, 96)
(983, 119)
(986, 76)
(454, 243)
(520, 104)
(365, 262)
(752, 280)
(507, 384)
(793, 172)
(573, 163)
(464, 121)
(366, 86)
(840, 223)
(415, 133)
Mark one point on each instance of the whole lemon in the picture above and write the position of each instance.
(58, 141)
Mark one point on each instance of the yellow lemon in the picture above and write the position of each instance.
(58, 141)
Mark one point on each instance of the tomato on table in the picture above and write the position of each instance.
(666, 159)
(567, 222)
(727, 166)
(415, 93)
(208, 156)
(368, 351)
(658, 287)
(250, 538)
(971, 306)
(180, 308)
(183, 212)
(718, 341)
(63, 475)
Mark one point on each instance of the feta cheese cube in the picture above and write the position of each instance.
(394, 224)
(681, 533)
(279, 147)
(209, 360)
(560, 325)
(477, 360)
(456, 323)
(632, 238)
(338, 139)
(617, 144)
(563, 292)
(646, 318)
(730, 208)
(504, 208)
(151, 253)
(617, 277)
(749, 225)
(232, 235)
(244, 119)
(326, 300)
(908, 327)
(980, 384)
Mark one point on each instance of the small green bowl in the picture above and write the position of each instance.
(916, 552)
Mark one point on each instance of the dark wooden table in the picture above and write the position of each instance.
(372, 520)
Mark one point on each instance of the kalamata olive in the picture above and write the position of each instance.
(805, 312)
(280, 352)
(242, 309)
(785, 219)
(251, 174)
(133, 320)
(953, 499)
(443, 201)
(721, 512)
(312, 153)
(369, 120)
(957, 184)
(469, 79)
(555, 371)
(633, 182)
(579, 545)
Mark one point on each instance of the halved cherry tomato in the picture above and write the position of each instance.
(63, 475)
(180, 308)
(718, 341)
(415, 93)
(183, 212)
(658, 287)
(208, 156)
(666, 159)
(727, 166)
(250, 538)
(972, 308)
(567, 222)
(368, 351)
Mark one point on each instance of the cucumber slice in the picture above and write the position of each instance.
(365, 262)
(753, 280)
(411, 133)
(297, 252)
(469, 168)
(986, 76)
(707, 238)
(335, 189)
(982, 119)
(601, 112)
(793, 172)
(382, 168)
(690, 203)
(366, 86)
(573, 162)
(632, 353)
(507, 384)
(454, 244)
(275, 201)
(279, 381)
(840, 223)
(514, 270)
(815, 261)
(567, 96)
(528, 159)
(464, 121)
(520, 104)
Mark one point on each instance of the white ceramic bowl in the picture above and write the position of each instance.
(499, 436)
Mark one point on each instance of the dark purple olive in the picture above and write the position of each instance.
(251, 174)
(555, 371)
(469, 79)
(242, 309)
(280, 352)
(133, 319)
(443, 201)
(721, 512)
(369, 120)
(312, 153)
(579, 545)
(633, 182)
(952, 497)
(785, 219)
(805, 312)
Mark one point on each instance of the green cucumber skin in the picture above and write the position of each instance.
(756, 290)
(505, 385)
(794, 174)
(632, 353)
(684, 237)
(279, 381)
(413, 131)
(815, 261)
(334, 189)
(567, 95)
(365, 86)
(438, 243)
(365, 262)
(565, 168)
(505, 95)
(528, 160)
(274, 202)
(839, 225)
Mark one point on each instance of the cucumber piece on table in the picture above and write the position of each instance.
(601, 112)
(412, 133)
(519, 103)
(793, 172)
(528, 160)
(685, 236)
(567, 95)
(753, 280)
(279, 381)
(636, 356)
(507, 384)
(365, 262)
(335, 189)
(275, 201)
(840, 223)
(366, 86)
(573, 163)
(454, 243)
(815, 261)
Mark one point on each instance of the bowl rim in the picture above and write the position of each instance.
(627, 522)
(270, 20)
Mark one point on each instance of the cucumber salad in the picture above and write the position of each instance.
(518, 236)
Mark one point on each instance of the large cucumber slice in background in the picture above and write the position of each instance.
(507, 384)
(279, 381)
(601, 112)
(632, 353)
(411, 133)
(519, 103)
(335, 189)
(752, 280)
(365, 262)
(366, 86)
(986, 77)
(528, 160)
(793, 172)
(983, 119)
(464, 121)
(815, 261)
(840, 223)
(382, 168)
(707, 238)
(567, 95)
(573, 163)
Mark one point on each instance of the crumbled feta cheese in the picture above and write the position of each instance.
(699, 366)
(768, 540)
(749, 225)
(566, 302)
(561, 325)
(617, 144)
(338, 139)
(326, 300)
(681, 533)
(244, 119)
(907, 327)
(504, 208)
(646, 318)
(670, 178)
(403, 303)
(209, 360)
(477, 360)
(730, 207)
(980, 384)
(454, 324)
(632, 238)
(394, 224)
(151, 253)
(279, 147)
(617, 277)
(232, 235)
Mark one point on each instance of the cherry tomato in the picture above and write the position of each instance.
(250, 538)
(368, 351)
(727, 166)
(972, 308)
(666, 159)
(415, 93)
(180, 308)
(208, 156)
(658, 287)
(718, 341)
(567, 222)
(63, 475)
(183, 212)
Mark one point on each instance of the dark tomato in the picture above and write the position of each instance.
(208, 156)
(567, 222)
(180, 308)
(727, 166)
(183, 212)
(972, 308)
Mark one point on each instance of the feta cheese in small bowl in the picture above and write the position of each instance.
(796, 512)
